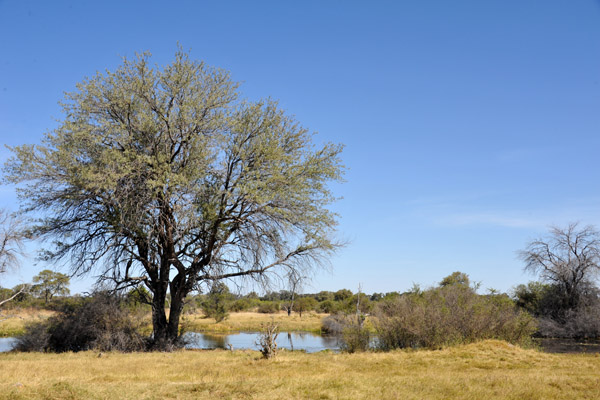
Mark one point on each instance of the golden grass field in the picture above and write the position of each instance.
(485, 370)
(253, 321)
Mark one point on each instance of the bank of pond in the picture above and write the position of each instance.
(310, 342)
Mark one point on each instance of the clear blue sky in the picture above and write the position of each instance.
(470, 126)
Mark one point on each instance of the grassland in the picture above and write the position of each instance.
(486, 370)
(253, 321)
(13, 322)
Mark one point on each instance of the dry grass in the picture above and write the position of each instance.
(486, 370)
(13, 321)
(253, 321)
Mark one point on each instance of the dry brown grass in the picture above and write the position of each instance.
(13, 321)
(486, 370)
(253, 321)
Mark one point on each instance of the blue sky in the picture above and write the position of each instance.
(470, 126)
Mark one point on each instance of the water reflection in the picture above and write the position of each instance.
(557, 345)
(306, 341)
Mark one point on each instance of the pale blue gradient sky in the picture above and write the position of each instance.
(470, 126)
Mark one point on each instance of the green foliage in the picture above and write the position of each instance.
(456, 278)
(268, 307)
(328, 306)
(25, 298)
(244, 304)
(349, 304)
(217, 301)
(533, 297)
(304, 304)
(342, 295)
(5, 293)
(323, 296)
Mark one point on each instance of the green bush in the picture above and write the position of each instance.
(328, 306)
(268, 307)
(216, 304)
(243, 304)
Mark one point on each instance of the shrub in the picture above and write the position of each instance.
(267, 340)
(556, 317)
(364, 303)
(448, 315)
(328, 306)
(100, 322)
(355, 337)
(334, 324)
(243, 304)
(581, 323)
(268, 307)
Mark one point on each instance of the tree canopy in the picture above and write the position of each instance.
(49, 283)
(164, 177)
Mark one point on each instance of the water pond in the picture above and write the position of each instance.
(7, 344)
(557, 345)
(311, 343)
(305, 341)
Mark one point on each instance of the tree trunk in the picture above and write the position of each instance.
(159, 318)
(174, 316)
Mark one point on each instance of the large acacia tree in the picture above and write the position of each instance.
(164, 177)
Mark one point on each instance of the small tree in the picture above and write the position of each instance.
(304, 304)
(295, 284)
(456, 278)
(49, 284)
(217, 302)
